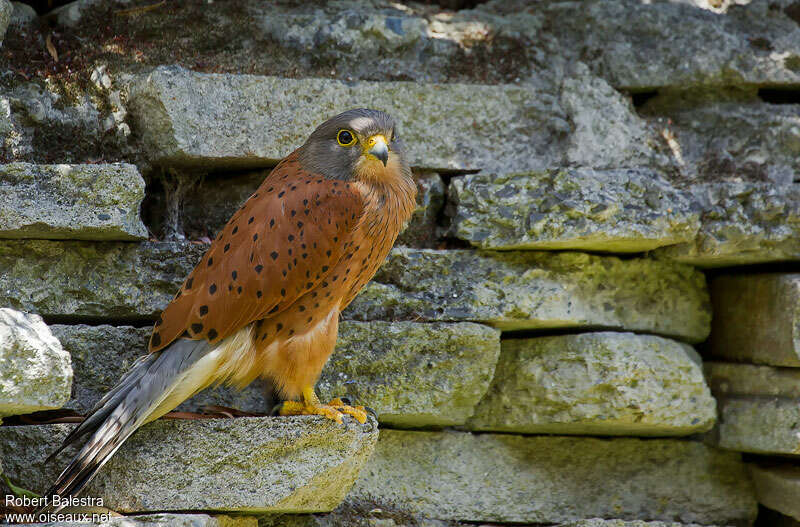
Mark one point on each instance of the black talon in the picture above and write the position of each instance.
(346, 401)
(276, 410)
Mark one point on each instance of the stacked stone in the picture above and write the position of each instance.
(544, 375)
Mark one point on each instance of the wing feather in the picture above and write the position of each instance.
(281, 243)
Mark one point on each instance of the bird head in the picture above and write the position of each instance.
(358, 144)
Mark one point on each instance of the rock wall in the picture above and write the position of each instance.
(591, 320)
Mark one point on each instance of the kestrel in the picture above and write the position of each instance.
(265, 299)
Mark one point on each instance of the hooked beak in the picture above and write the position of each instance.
(376, 146)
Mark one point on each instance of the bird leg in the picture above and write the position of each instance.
(334, 410)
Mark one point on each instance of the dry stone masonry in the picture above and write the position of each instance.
(591, 316)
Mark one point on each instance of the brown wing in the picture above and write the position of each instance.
(283, 241)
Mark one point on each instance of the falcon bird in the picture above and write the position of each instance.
(265, 299)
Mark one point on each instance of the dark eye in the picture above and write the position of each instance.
(345, 138)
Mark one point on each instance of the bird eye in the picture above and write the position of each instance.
(345, 138)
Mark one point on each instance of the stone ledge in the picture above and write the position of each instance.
(777, 487)
(759, 407)
(36, 373)
(597, 384)
(301, 464)
(756, 318)
(505, 478)
(411, 374)
(71, 202)
(742, 223)
(166, 520)
(537, 290)
(625, 210)
(190, 119)
(515, 290)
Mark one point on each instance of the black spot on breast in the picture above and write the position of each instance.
(210, 261)
(250, 220)
(255, 236)
(302, 308)
(283, 292)
(189, 283)
(281, 193)
(235, 229)
(212, 289)
(291, 237)
(239, 290)
(273, 310)
(274, 255)
(197, 328)
(227, 246)
(203, 311)
(259, 294)
(279, 326)
(259, 268)
(272, 222)
(212, 334)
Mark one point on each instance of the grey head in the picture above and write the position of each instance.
(343, 145)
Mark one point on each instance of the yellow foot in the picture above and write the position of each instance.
(335, 410)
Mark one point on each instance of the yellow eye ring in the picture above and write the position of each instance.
(346, 137)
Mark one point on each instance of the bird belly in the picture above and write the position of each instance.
(295, 362)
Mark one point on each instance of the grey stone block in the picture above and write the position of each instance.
(219, 120)
(299, 464)
(759, 408)
(117, 280)
(777, 487)
(535, 290)
(73, 202)
(597, 384)
(506, 478)
(166, 520)
(413, 374)
(742, 223)
(35, 371)
(756, 318)
(623, 210)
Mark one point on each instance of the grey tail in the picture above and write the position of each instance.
(122, 411)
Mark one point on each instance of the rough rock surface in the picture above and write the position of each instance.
(756, 318)
(423, 228)
(6, 9)
(759, 407)
(742, 223)
(729, 133)
(759, 425)
(728, 379)
(413, 374)
(598, 522)
(43, 124)
(193, 119)
(622, 210)
(505, 478)
(77, 202)
(300, 464)
(533, 290)
(169, 520)
(22, 16)
(35, 371)
(120, 280)
(777, 487)
(637, 47)
(597, 383)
